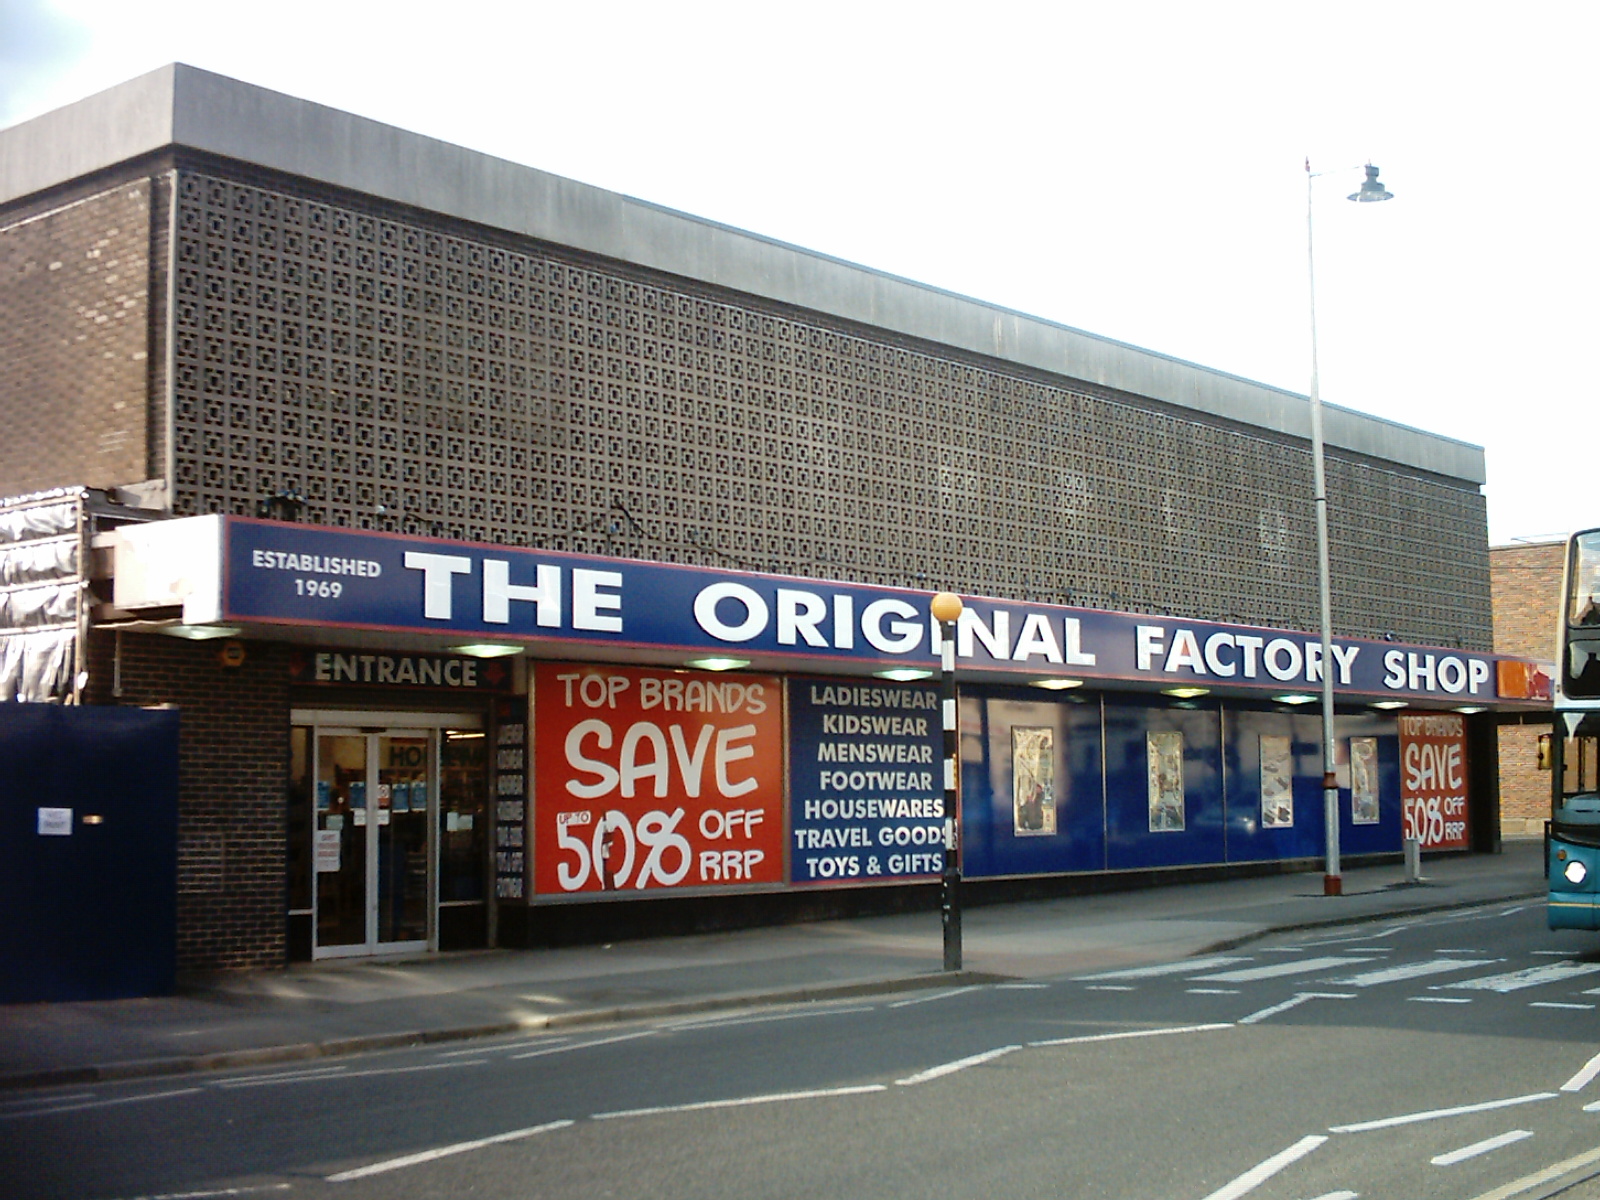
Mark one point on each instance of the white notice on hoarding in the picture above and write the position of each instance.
(327, 850)
(55, 822)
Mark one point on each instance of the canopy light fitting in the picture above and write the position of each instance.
(200, 633)
(718, 664)
(486, 650)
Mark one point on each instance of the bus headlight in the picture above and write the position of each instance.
(1576, 872)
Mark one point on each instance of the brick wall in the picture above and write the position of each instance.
(1524, 788)
(1525, 589)
(74, 343)
(233, 770)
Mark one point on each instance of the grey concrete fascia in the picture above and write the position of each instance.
(183, 106)
(110, 127)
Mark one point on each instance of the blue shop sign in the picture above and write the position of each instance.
(278, 573)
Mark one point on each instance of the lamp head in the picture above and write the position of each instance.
(1371, 189)
(945, 607)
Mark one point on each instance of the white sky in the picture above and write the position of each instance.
(1133, 169)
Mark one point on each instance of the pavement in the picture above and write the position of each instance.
(343, 1007)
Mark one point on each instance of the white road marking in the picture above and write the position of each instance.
(1211, 991)
(1416, 970)
(1477, 1148)
(87, 1104)
(1173, 968)
(341, 1076)
(219, 1193)
(1339, 1196)
(1584, 1077)
(1440, 999)
(411, 1160)
(945, 995)
(1513, 981)
(281, 1076)
(1303, 966)
(544, 1041)
(1558, 1004)
(1299, 999)
(1439, 1114)
(1262, 1172)
(30, 1101)
(1111, 987)
(621, 1037)
(723, 1022)
(1131, 1033)
(950, 1068)
(1595, 1107)
(743, 1102)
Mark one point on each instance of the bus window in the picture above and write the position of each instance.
(1580, 761)
(1584, 590)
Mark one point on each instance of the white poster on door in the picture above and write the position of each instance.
(327, 850)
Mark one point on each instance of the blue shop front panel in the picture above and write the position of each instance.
(1274, 772)
(1164, 800)
(1032, 802)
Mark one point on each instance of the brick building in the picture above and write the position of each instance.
(591, 417)
(1525, 589)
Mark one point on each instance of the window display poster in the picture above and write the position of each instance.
(651, 779)
(866, 781)
(1164, 759)
(326, 849)
(1033, 780)
(1277, 782)
(510, 799)
(1433, 779)
(1364, 780)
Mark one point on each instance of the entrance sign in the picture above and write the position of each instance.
(648, 779)
(1433, 779)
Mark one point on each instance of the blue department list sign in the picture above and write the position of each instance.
(866, 782)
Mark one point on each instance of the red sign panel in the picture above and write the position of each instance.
(655, 779)
(1433, 779)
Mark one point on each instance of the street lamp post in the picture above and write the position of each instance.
(1332, 881)
(946, 609)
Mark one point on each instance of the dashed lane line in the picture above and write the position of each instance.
(960, 1064)
(1440, 1114)
(1484, 1147)
(412, 1160)
(1263, 1171)
(1584, 1076)
(88, 1104)
(1293, 1002)
(742, 1102)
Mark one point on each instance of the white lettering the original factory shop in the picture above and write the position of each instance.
(594, 595)
(1238, 655)
(734, 612)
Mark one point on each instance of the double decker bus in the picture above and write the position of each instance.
(1572, 861)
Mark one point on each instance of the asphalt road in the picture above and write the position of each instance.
(1451, 1056)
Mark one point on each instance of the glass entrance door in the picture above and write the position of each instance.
(373, 854)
